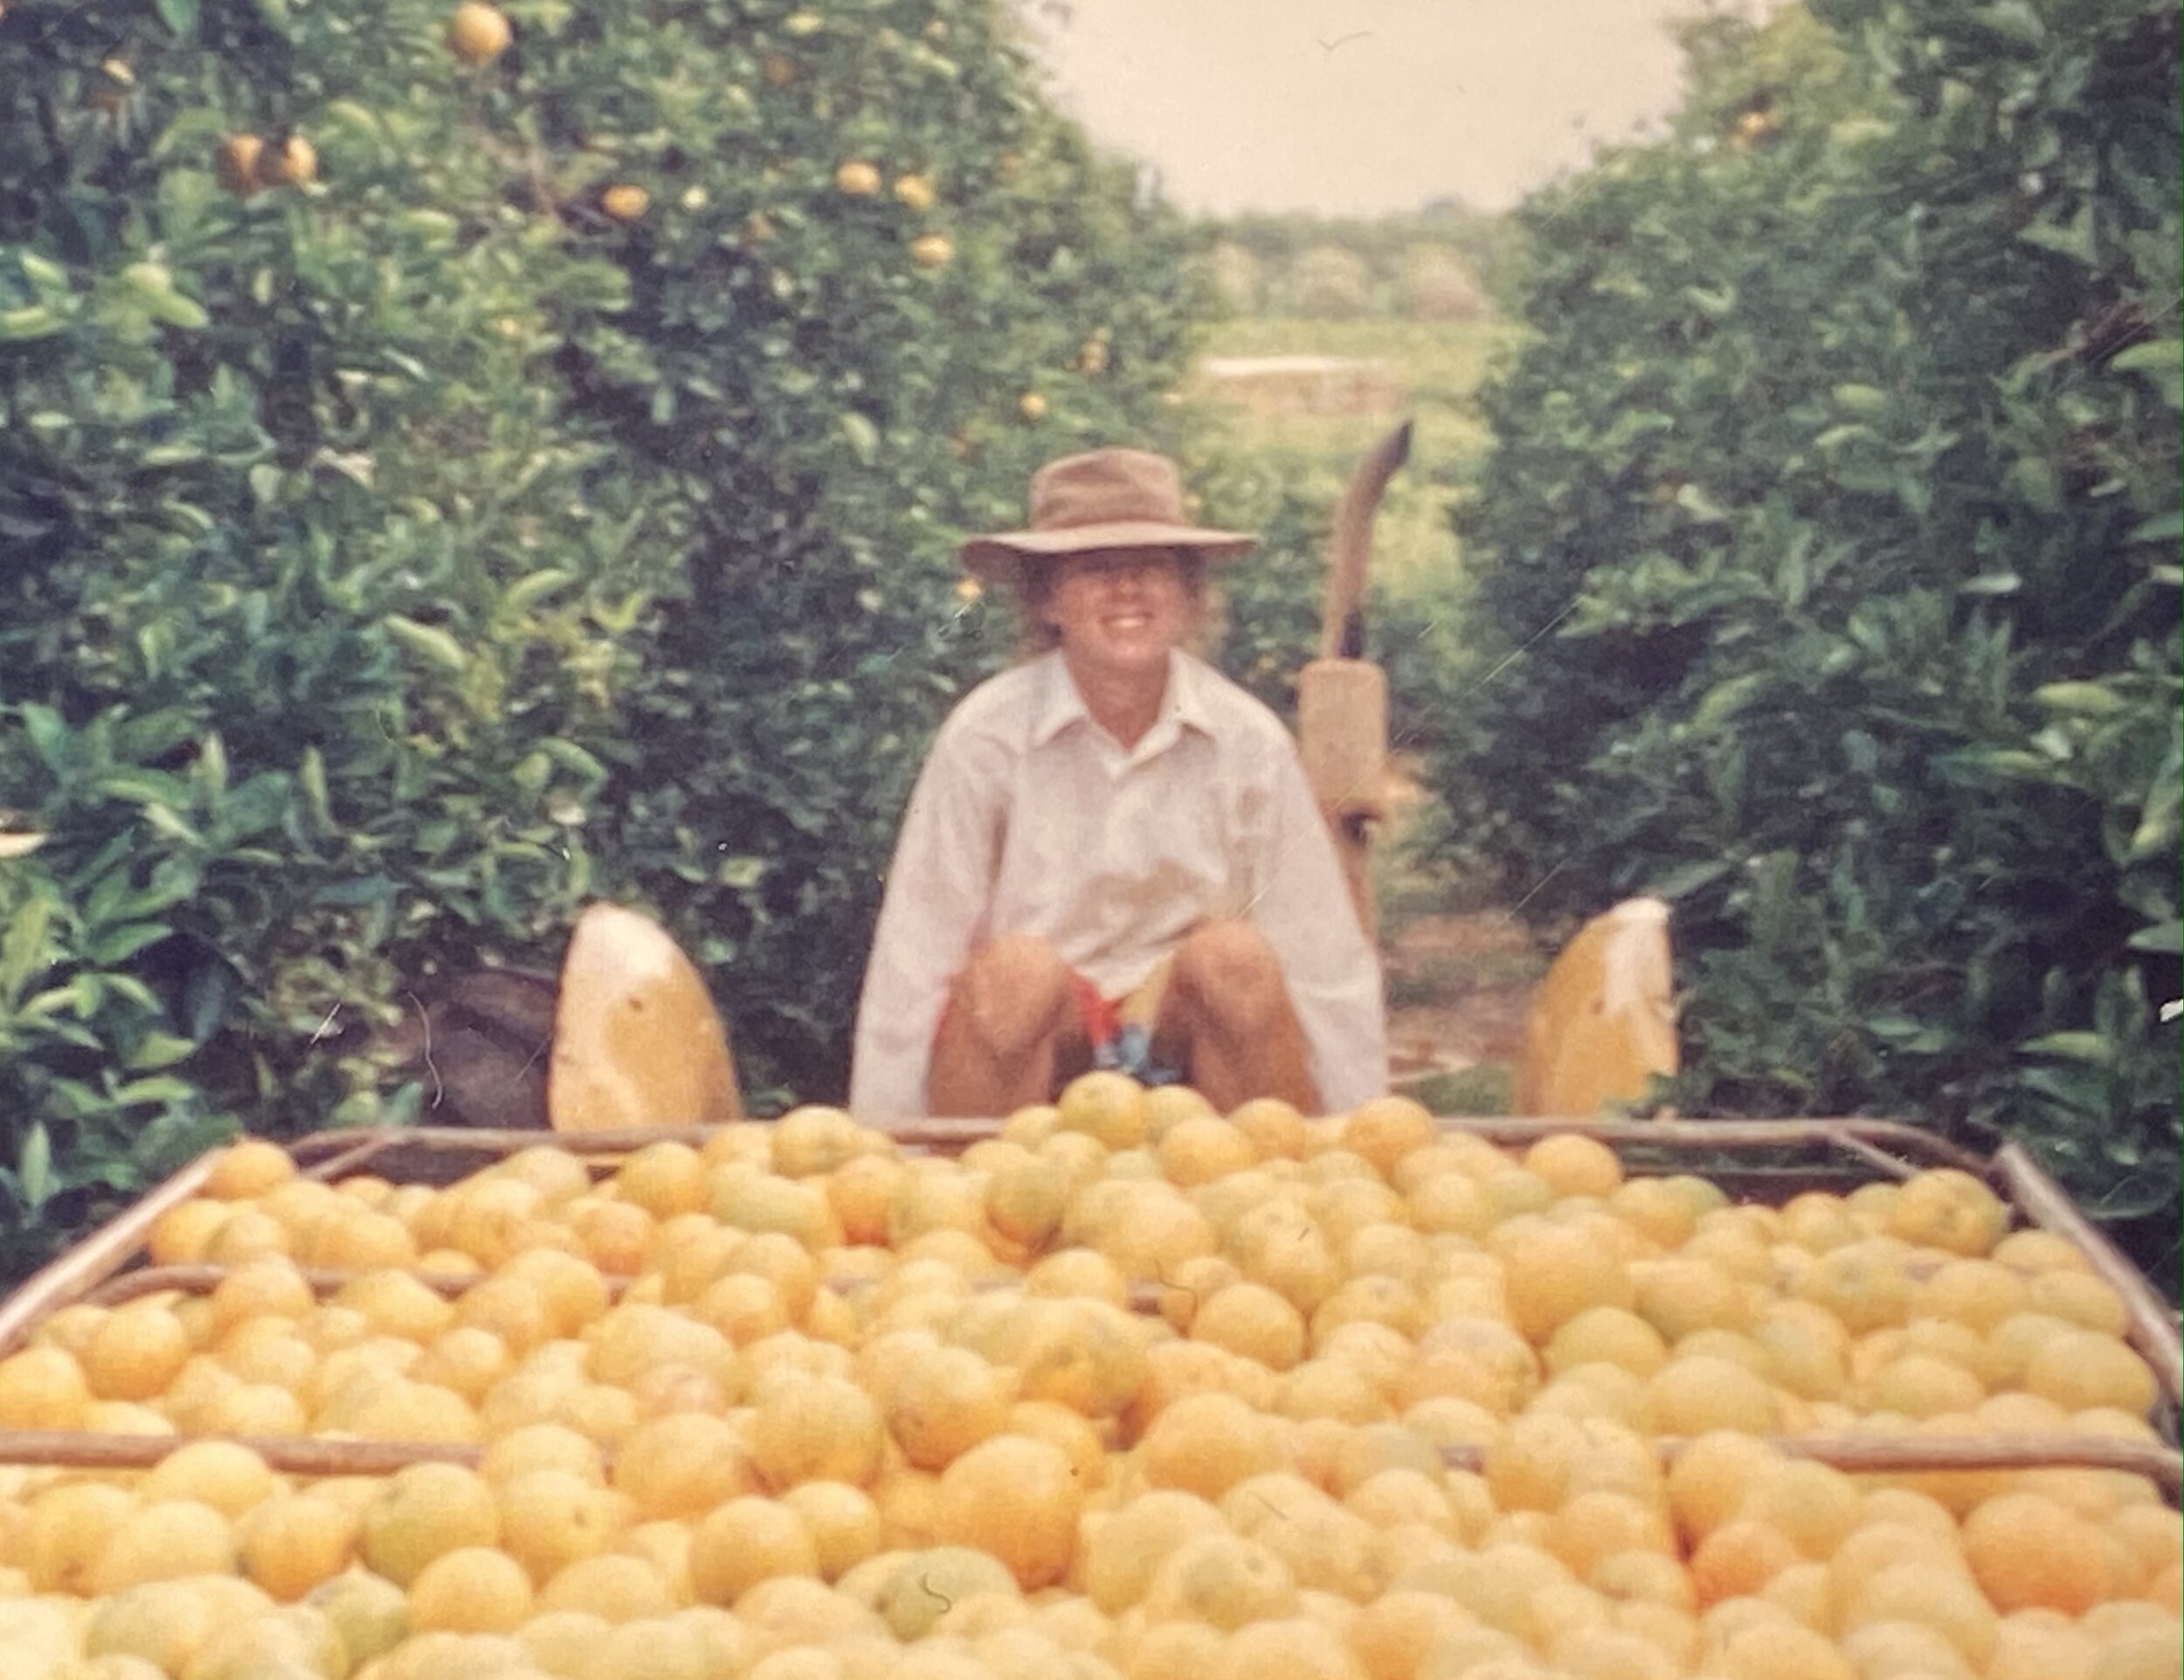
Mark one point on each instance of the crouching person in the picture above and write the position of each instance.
(1112, 856)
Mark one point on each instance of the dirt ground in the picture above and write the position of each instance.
(1460, 978)
(1458, 988)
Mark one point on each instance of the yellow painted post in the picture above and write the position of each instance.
(637, 1040)
(1603, 1023)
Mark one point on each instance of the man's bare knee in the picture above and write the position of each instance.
(1231, 976)
(1011, 994)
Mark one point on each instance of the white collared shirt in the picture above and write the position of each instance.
(1029, 818)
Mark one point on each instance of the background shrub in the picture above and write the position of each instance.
(391, 561)
(1824, 572)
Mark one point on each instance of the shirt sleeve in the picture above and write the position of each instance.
(1300, 901)
(937, 897)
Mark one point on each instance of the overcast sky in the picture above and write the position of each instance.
(1361, 107)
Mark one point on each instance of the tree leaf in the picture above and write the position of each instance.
(864, 437)
(35, 321)
(34, 1166)
(2160, 355)
(534, 587)
(2094, 1048)
(48, 735)
(434, 645)
(158, 1050)
(22, 947)
(2092, 698)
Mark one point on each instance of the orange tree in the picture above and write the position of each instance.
(294, 596)
(1825, 573)
(872, 281)
(444, 477)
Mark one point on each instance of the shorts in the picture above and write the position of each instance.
(1119, 1030)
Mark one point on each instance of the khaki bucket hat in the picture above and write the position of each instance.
(1101, 499)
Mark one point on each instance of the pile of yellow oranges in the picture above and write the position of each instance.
(1131, 1390)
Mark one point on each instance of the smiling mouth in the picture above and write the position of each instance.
(1128, 621)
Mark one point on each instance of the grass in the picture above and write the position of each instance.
(1487, 1089)
(1409, 884)
(1442, 979)
(1438, 365)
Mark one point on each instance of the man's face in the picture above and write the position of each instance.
(1120, 610)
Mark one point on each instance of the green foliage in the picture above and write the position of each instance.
(1487, 1089)
(390, 563)
(1261, 466)
(1270, 603)
(813, 414)
(1825, 573)
(295, 682)
(1438, 264)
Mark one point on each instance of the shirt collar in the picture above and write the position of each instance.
(1184, 705)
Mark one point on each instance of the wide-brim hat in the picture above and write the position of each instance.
(1101, 499)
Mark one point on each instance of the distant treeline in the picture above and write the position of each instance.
(1446, 262)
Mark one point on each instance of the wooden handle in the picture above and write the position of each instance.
(318, 1455)
(1342, 733)
(290, 1455)
(97, 1257)
(1899, 1453)
(1342, 623)
(1342, 730)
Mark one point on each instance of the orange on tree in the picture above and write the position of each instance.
(624, 203)
(479, 34)
(235, 164)
(292, 163)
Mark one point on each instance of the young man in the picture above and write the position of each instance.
(1112, 856)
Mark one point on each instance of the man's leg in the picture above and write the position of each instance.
(1009, 1015)
(1228, 1020)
